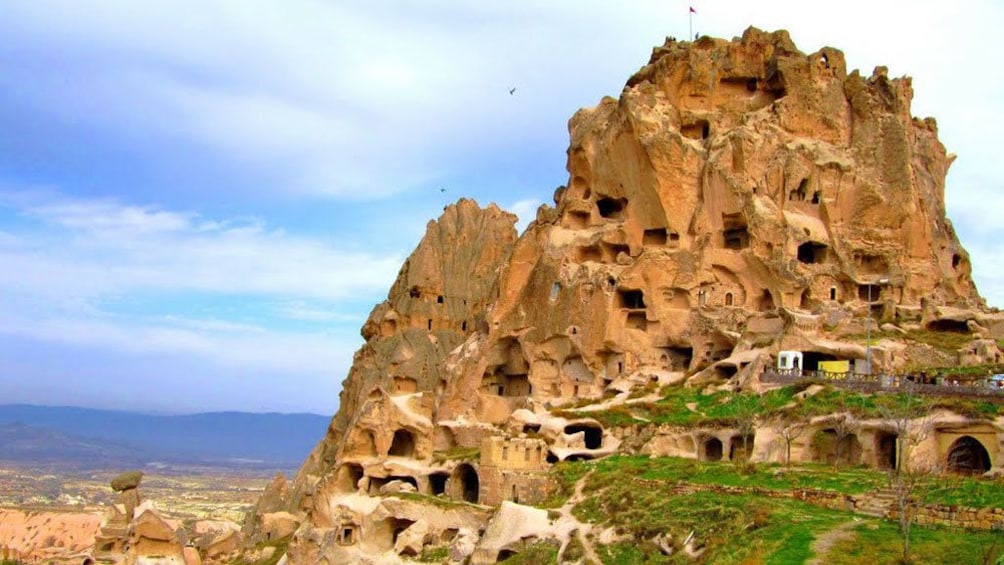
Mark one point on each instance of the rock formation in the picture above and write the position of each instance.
(39, 536)
(739, 199)
(133, 532)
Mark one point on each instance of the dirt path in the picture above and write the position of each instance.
(580, 529)
(822, 544)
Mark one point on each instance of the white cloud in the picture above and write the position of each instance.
(366, 101)
(85, 273)
(247, 368)
(283, 353)
(108, 218)
(312, 312)
(355, 102)
(106, 248)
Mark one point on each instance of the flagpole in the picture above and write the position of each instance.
(690, 16)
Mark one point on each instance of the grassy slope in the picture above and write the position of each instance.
(723, 409)
(746, 528)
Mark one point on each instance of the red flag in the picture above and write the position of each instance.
(692, 10)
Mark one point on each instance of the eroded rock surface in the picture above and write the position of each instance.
(738, 199)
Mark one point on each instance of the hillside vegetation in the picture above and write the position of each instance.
(641, 500)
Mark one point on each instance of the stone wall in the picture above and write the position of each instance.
(522, 487)
(513, 469)
(515, 454)
(957, 517)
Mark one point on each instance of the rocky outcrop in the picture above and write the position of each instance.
(46, 536)
(738, 199)
(134, 532)
(127, 481)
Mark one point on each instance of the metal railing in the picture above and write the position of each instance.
(880, 382)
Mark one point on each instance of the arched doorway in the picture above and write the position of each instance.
(467, 484)
(713, 450)
(593, 434)
(967, 455)
(885, 450)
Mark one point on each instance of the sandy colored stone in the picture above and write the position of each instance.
(35, 535)
(127, 480)
(227, 543)
(411, 541)
(277, 525)
(192, 556)
(738, 199)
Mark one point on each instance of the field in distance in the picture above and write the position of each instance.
(180, 493)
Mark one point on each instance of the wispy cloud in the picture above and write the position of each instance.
(148, 115)
(109, 248)
(314, 312)
(147, 282)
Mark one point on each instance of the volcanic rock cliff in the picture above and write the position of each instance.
(740, 198)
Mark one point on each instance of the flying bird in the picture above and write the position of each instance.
(512, 91)
(442, 190)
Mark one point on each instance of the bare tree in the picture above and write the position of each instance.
(843, 426)
(910, 421)
(788, 430)
(747, 409)
(907, 489)
(909, 479)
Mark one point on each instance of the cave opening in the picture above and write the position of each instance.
(403, 444)
(812, 252)
(631, 299)
(611, 208)
(968, 456)
(593, 434)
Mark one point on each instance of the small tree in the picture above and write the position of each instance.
(909, 479)
(843, 426)
(908, 418)
(907, 489)
(747, 409)
(789, 429)
(991, 544)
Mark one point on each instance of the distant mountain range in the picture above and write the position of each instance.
(98, 438)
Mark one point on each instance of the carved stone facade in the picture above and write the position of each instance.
(739, 198)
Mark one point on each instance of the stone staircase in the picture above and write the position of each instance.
(877, 503)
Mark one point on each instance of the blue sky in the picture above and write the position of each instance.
(200, 201)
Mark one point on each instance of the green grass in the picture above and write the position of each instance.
(727, 409)
(434, 554)
(721, 408)
(746, 528)
(879, 543)
(733, 528)
(456, 453)
(565, 475)
(773, 530)
(429, 499)
(973, 492)
(945, 341)
(536, 554)
(771, 476)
